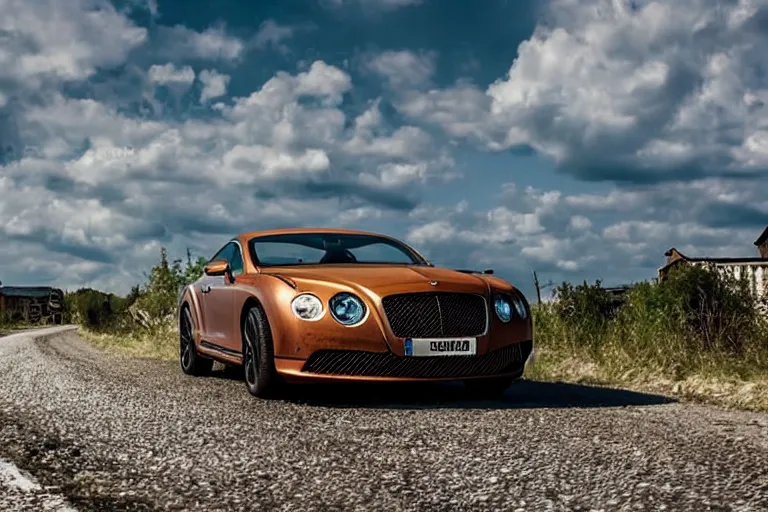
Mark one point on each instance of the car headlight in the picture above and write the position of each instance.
(519, 303)
(307, 307)
(346, 308)
(509, 306)
(503, 308)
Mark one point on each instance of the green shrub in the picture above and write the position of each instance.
(712, 311)
(147, 307)
(585, 310)
(695, 318)
(94, 309)
(158, 298)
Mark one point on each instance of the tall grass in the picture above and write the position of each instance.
(142, 324)
(698, 333)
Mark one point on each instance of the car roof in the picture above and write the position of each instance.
(244, 238)
(285, 231)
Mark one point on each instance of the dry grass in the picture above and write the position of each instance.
(709, 383)
(162, 344)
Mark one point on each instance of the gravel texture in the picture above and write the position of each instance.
(114, 433)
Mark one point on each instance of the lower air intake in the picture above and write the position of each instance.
(386, 364)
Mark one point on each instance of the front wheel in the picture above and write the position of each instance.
(261, 379)
(191, 362)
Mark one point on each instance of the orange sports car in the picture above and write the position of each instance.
(308, 305)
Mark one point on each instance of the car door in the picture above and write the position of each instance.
(232, 315)
(217, 301)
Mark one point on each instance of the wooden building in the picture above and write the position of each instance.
(762, 243)
(31, 304)
(753, 268)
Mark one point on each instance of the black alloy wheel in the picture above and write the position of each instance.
(191, 362)
(261, 379)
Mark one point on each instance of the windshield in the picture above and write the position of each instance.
(329, 248)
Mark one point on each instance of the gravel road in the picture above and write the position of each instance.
(93, 431)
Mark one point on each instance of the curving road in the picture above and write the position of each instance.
(83, 430)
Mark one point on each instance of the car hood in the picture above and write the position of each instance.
(385, 279)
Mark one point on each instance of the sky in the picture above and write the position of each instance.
(577, 138)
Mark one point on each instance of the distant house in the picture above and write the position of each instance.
(33, 304)
(762, 243)
(755, 269)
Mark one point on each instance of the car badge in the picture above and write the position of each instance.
(433, 283)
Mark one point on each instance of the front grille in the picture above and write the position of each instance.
(436, 315)
(386, 364)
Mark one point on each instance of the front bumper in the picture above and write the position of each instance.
(359, 365)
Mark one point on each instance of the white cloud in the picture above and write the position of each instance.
(619, 237)
(580, 222)
(102, 183)
(609, 88)
(213, 43)
(272, 34)
(170, 74)
(57, 41)
(403, 68)
(369, 139)
(214, 84)
(323, 80)
(100, 189)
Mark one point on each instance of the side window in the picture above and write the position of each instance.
(225, 253)
(231, 252)
(236, 262)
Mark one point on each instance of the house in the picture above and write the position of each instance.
(755, 269)
(762, 243)
(31, 304)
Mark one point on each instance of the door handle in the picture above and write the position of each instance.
(205, 288)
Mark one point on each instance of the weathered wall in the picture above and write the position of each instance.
(755, 273)
(33, 308)
(763, 248)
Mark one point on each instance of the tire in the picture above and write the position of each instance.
(261, 378)
(191, 362)
(488, 388)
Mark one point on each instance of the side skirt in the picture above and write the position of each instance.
(221, 354)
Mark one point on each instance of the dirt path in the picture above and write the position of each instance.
(111, 433)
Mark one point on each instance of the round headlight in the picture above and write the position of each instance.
(503, 308)
(307, 307)
(520, 308)
(346, 308)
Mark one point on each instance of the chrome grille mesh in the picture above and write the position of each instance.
(435, 314)
(386, 364)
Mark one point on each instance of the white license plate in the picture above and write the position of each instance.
(421, 347)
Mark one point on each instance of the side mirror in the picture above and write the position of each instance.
(217, 268)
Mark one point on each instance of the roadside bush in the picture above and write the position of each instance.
(157, 300)
(94, 309)
(585, 312)
(704, 308)
(5, 319)
(149, 307)
(696, 319)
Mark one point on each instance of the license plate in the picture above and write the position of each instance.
(421, 347)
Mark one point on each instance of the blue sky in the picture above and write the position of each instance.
(581, 139)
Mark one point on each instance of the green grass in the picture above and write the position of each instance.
(648, 356)
(161, 343)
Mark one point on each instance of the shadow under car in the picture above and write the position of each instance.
(522, 394)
